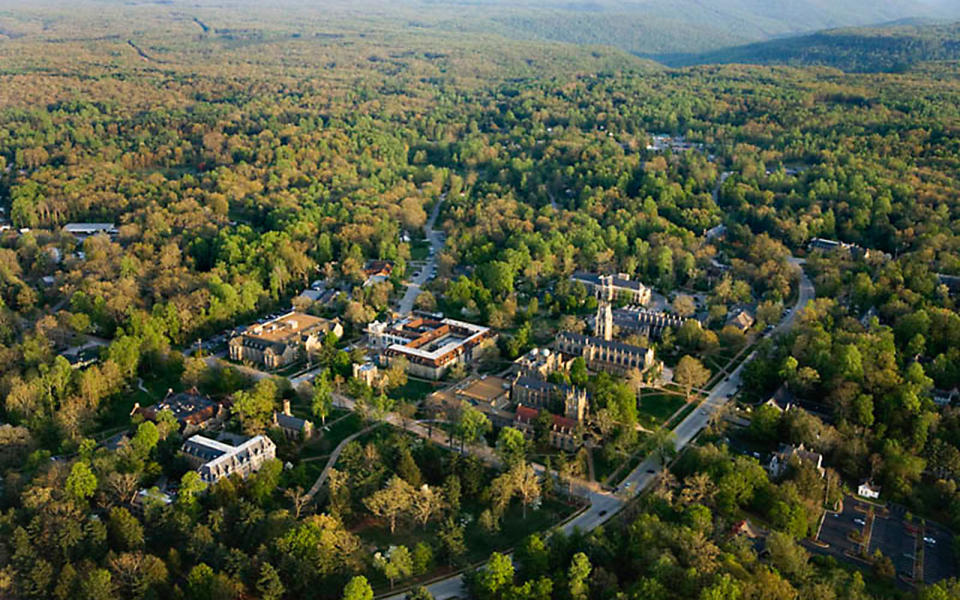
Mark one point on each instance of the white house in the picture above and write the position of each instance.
(868, 490)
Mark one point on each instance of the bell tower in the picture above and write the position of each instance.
(603, 327)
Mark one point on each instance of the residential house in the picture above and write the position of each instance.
(377, 271)
(741, 319)
(192, 410)
(867, 489)
(781, 460)
(782, 400)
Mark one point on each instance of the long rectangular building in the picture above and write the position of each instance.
(621, 286)
(605, 355)
(430, 346)
(645, 322)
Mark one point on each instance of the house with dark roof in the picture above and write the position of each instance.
(782, 400)
(782, 459)
(951, 281)
(377, 271)
(193, 410)
(292, 427)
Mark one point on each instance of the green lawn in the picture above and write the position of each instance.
(116, 412)
(419, 250)
(414, 390)
(657, 407)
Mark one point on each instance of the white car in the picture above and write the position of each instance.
(930, 540)
(860, 522)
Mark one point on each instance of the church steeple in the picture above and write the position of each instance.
(604, 323)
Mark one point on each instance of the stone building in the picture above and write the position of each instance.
(214, 459)
(539, 393)
(605, 355)
(282, 341)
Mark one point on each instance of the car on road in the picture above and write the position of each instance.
(651, 471)
(929, 540)
(601, 513)
(860, 522)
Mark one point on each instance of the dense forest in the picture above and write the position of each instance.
(241, 157)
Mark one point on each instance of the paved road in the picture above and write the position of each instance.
(436, 241)
(603, 505)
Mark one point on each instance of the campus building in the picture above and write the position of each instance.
(645, 322)
(622, 286)
(430, 346)
(539, 363)
(539, 393)
(292, 427)
(563, 431)
(606, 355)
(279, 342)
(214, 459)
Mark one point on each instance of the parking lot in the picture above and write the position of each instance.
(938, 559)
(893, 535)
(895, 539)
(837, 528)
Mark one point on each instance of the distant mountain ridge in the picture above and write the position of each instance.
(651, 27)
(875, 49)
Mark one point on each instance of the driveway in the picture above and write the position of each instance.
(436, 241)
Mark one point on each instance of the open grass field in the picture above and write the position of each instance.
(656, 407)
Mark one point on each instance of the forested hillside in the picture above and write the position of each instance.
(886, 49)
(643, 27)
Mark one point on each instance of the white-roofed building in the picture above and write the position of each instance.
(215, 459)
(430, 346)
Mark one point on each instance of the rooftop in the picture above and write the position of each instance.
(477, 390)
(430, 339)
(619, 281)
(283, 328)
(596, 341)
